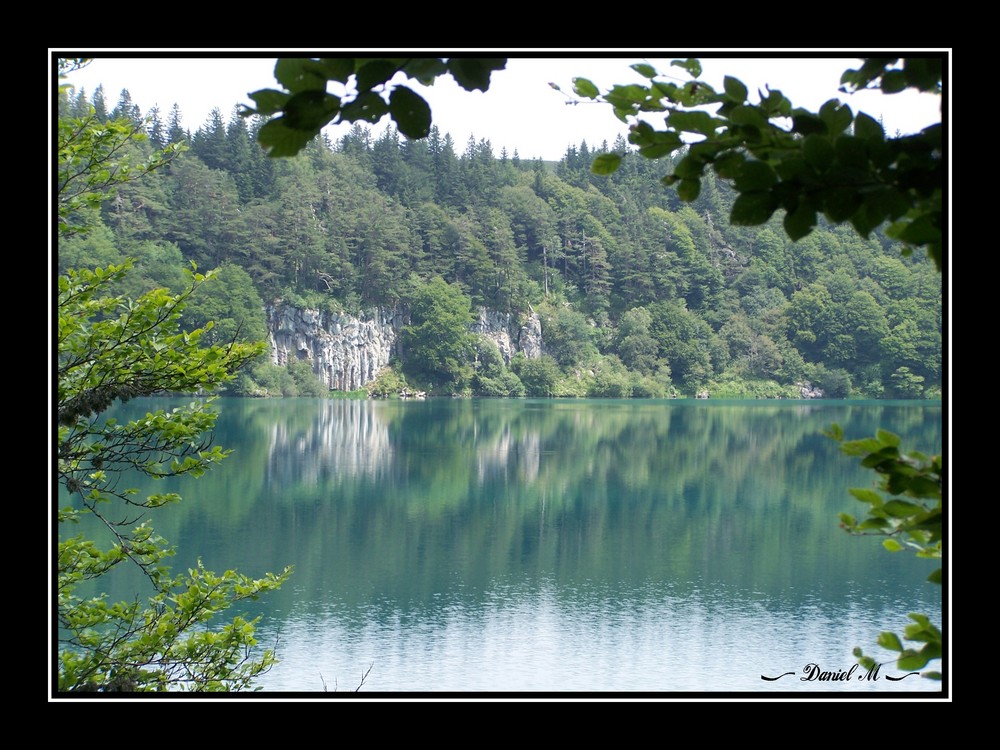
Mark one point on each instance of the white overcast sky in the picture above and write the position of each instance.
(520, 111)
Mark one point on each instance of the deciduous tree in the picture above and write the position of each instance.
(111, 349)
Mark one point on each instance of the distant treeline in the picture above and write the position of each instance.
(639, 293)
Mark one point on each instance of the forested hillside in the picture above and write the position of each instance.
(639, 294)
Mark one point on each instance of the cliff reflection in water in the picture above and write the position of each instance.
(406, 513)
(334, 438)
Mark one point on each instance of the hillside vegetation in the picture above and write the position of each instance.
(639, 294)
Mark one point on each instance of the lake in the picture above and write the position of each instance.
(588, 546)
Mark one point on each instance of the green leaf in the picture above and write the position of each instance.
(921, 231)
(753, 208)
(775, 103)
(367, 106)
(311, 110)
(474, 73)
(646, 71)
(883, 456)
(923, 73)
(689, 167)
(866, 495)
(280, 140)
(851, 152)
(269, 101)
(689, 189)
(410, 112)
(836, 116)
(628, 97)
(299, 74)
(935, 577)
(604, 164)
(818, 151)
(902, 508)
(641, 133)
(877, 524)
(840, 203)
(867, 128)
(887, 438)
(727, 165)
(912, 661)
(425, 69)
(338, 69)
(583, 87)
(893, 82)
(749, 115)
(656, 150)
(755, 175)
(799, 222)
(691, 65)
(806, 123)
(920, 619)
(890, 641)
(375, 73)
(868, 216)
(693, 122)
(892, 545)
(735, 89)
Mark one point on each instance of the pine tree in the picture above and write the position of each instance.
(157, 132)
(239, 161)
(100, 105)
(175, 131)
(126, 109)
(209, 142)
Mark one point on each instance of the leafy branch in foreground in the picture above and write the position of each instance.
(304, 107)
(832, 162)
(112, 349)
(910, 518)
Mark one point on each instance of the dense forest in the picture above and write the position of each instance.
(639, 293)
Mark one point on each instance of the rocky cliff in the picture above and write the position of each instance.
(347, 352)
(509, 334)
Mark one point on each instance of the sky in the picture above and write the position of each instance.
(521, 111)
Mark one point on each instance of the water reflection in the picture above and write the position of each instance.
(538, 545)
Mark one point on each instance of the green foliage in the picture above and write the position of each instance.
(733, 386)
(389, 384)
(437, 344)
(832, 163)
(907, 384)
(539, 376)
(608, 384)
(568, 337)
(341, 227)
(492, 378)
(907, 512)
(232, 305)
(111, 349)
(305, 380)
(833, 381)
(648, 386)
(303, 107)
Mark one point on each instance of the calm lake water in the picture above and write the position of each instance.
(556, 546)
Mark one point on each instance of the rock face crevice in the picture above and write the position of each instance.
(347, 352)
